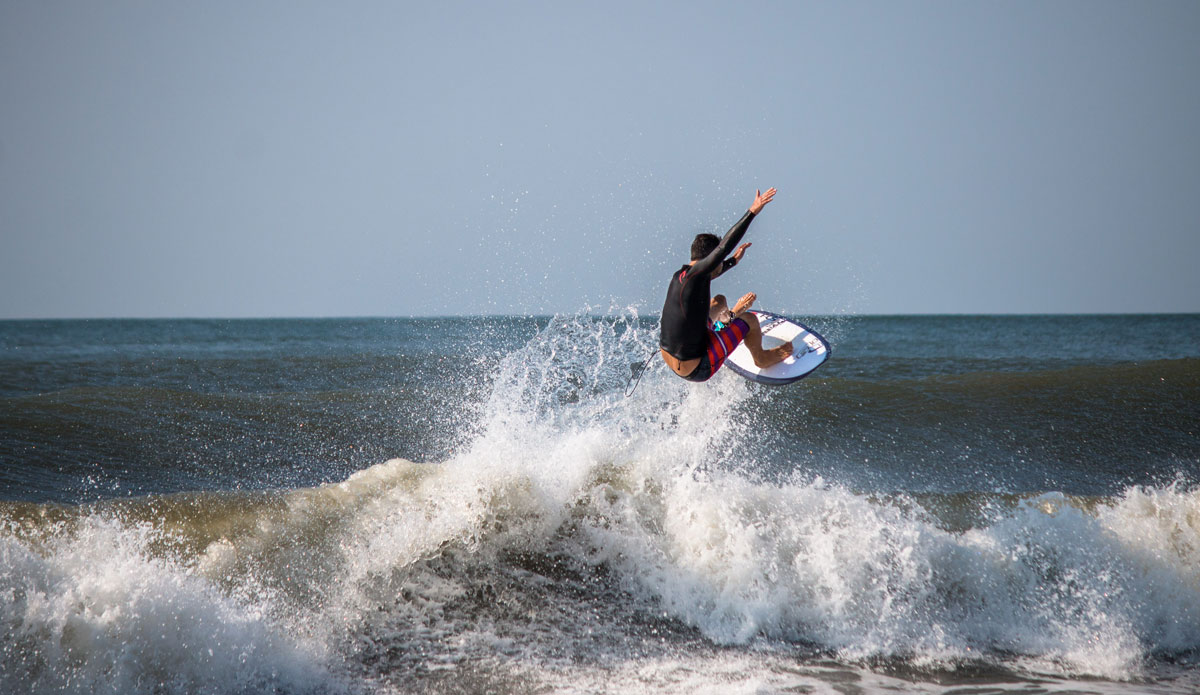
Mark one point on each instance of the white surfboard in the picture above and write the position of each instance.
(810, 351)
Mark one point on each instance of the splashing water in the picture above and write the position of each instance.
(581, 533)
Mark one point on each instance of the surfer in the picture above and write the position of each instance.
(699, 331)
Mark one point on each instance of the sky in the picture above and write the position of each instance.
(263, 159)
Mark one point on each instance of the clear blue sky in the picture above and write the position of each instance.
(393, 158)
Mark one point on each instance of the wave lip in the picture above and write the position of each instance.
(1050, 582)
(457, 562)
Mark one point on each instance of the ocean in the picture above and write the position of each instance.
(951, 504)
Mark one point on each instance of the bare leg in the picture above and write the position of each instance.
(762, 358)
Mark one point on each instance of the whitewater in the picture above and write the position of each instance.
(572, 539)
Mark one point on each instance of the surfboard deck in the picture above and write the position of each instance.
(810, 351)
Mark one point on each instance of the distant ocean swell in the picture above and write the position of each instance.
(577, 532)
(1091, 429)
(1138, 416)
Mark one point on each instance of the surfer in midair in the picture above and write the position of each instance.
(699, 331)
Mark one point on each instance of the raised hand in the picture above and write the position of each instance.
(761, 199)
(744, 303)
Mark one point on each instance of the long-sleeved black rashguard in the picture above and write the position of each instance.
(684, 326)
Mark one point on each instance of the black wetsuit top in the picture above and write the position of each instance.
(684, 327)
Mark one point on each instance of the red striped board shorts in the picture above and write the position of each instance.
(720, 344)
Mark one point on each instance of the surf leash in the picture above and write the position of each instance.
(646, 365)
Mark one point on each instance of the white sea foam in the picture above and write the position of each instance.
(635, 482)
(639, 506)
(819, 564)
(92, 612)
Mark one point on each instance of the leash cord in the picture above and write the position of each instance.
(646, 365)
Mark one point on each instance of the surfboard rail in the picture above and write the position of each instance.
(811, 351)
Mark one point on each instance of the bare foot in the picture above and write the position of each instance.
(773, 356)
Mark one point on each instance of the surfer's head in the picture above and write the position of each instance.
(703, 245)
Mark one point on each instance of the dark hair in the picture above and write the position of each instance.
(703, 245)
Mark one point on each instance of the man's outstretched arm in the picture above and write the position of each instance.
(731, 261)
(709, 263)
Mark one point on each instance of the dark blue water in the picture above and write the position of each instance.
(92, 409)
(473, 504)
